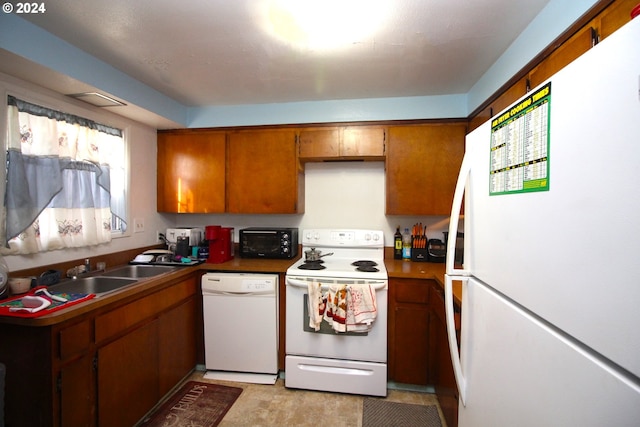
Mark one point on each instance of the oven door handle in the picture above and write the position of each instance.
(376, 284)
(297, 283)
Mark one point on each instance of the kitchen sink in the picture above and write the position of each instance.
(138, 271)
(92, 285)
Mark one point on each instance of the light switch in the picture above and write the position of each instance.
(138, 225)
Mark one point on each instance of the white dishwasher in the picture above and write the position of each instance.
(240, 313)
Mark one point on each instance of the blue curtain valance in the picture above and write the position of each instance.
(37, 110)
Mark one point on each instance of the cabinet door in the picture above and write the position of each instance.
(352, 142)
(77, 393)
(128, 377)
(441, 366)
(578, 44)
(191, 172)
(362, 141)
(422, 168)
(614, 16)
(264, 174)
(411, 332)
(76, 379)
(177, 345)
(408, 323)
(509, 96)
(319, 144)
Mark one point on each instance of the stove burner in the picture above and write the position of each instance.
(312, 265)
(364, 263)
(367, 268)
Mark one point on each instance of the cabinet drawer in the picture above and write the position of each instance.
(414, 291)
(120, 319)
(75, 339)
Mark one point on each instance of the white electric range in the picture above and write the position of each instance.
(351, 362)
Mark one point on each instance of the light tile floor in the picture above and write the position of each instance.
(275, 405)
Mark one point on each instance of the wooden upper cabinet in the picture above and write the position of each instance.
(613, 17)
(350, 142)
(422, 168)
(319, 143)
(511, 95)
(508, 97)
(263, 174)
(191, 172)
(362, 141)
(570, 50)
(483, 116)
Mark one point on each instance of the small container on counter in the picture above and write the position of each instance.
(397, 244)
(406, 245)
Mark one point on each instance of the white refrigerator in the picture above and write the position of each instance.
(551, 292)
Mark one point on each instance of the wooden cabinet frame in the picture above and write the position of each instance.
(78, 373)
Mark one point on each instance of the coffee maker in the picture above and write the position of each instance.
(220, 243)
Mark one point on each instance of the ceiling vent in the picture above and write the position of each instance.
(97, 99)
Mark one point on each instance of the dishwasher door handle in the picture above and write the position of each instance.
(268, 293)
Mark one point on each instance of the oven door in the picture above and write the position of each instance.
(304, 341)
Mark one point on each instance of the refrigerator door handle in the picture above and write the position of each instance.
(451, 335)
(454, 219)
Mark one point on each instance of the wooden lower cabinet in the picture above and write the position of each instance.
(444, 380)
(128, 377)
(107, 367)
(408, 331)
(77, 393)
(177, 346)
(418, 345)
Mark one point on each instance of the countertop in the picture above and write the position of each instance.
(399, 269)
(396, 269)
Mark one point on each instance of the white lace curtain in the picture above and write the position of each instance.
(57, 192)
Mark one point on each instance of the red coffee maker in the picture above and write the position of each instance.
(220, 243)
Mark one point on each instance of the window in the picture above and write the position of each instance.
(65, 180)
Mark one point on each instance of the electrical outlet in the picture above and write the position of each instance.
(159, 236)
(138, 225)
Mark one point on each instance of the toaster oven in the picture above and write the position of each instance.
(259, 242)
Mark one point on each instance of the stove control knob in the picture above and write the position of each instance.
(367, 237)
(376, 237)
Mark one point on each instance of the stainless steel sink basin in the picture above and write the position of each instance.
(138, 271)
(92, 285)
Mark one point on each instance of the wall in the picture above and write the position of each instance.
(142, 155)
(29, 41)
(338, 195)
(552, 21)
(342, 194)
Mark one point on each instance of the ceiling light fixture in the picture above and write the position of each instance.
(323, 24)
(97, 99)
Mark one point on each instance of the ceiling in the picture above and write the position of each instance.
(229, 52)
